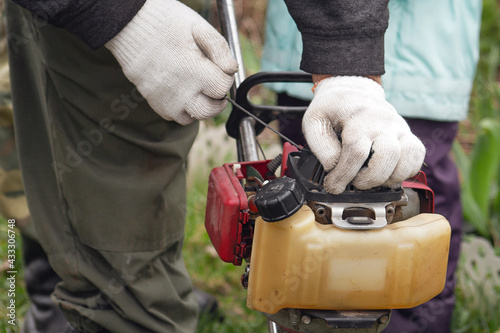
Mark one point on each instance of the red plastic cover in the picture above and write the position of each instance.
(226, 214)
(419, 184)
(225, 201)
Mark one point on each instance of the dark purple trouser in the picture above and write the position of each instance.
(442, 177)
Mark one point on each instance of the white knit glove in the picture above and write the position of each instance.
(355, 109)
(177, 60)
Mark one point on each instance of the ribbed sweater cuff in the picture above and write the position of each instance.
(359, 56)
(103, 20)
(143, 27)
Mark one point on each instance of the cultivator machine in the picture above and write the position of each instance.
(314, 261)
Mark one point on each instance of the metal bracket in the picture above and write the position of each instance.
(375, 216)
(329, 321)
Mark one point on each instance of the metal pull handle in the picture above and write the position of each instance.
(363, 220)
(377, 211)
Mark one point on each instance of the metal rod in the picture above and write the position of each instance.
(273, 327)
(248, 137)
(248, 140)
(230, 31)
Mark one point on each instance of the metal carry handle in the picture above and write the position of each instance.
(267, 113)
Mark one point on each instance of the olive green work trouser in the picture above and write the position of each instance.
(105, 181)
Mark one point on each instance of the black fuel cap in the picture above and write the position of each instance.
(279, 199)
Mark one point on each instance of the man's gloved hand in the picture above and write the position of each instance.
(349, 121)
(177, 60)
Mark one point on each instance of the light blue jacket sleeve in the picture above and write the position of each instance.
(431, 53)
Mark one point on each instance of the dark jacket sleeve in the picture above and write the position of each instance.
(341, 37)
(94, 21)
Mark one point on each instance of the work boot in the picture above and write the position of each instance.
(207, 303)
(43, 316)
(208, 306)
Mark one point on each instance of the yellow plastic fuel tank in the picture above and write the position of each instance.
(299, 263)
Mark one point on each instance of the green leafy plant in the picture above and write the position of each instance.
(480, 180)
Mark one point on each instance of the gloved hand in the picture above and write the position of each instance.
(354, 109)
(177, 60)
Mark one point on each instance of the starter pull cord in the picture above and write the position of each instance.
(239, 107)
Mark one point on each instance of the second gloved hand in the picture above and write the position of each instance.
(354, 109)
(177, 60)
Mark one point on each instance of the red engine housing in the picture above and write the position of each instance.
(228, 217)
(227, 213)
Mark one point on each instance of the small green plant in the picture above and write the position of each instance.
(481, 182)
